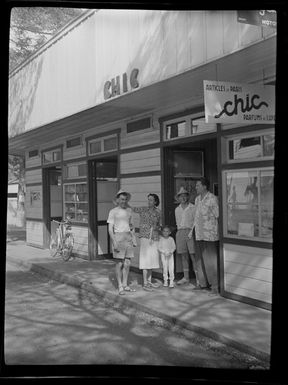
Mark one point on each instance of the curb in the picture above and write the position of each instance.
(120, 300)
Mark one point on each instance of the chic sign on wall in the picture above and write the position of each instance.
(238, 103)
(118, 86)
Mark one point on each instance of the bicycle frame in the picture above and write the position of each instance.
(60, 244)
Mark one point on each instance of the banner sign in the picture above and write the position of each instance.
(261, 18)
(238, 103)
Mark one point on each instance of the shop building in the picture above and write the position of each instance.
(116, 100)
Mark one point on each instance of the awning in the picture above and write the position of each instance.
(247, 65)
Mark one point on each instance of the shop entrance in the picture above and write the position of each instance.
(183, 165)
(52, 200)
(103, 186)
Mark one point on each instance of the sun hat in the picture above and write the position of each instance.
(181, 191)
(122, 192)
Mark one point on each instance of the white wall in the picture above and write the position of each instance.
(69, 76)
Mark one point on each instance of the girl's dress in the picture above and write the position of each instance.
(149, 256)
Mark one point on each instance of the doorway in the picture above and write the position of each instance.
(52, 200)
(103, 186)
(183, 164)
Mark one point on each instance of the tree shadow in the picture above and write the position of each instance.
(48, 322)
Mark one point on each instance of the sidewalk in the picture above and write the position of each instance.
(241, 326)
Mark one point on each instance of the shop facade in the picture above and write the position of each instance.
(92, 115)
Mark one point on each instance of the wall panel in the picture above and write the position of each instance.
(34, 232)
(34, 202)
(248, 270)
(33, 176)
(140, 161)
(80, 235)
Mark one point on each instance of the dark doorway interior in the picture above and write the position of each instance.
(52, 200)
(103, 186)
(183, 165)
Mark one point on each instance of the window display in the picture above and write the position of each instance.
(249, 203)
(76, 201)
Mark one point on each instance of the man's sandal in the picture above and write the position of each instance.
(128, 288)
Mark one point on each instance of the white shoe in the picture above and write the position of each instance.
(165, 284)
(171, 284)
(183, 281)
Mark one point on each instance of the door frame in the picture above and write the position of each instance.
(47, 203)
(92, 206)
(46, 207)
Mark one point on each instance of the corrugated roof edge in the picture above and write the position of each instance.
(59, 35)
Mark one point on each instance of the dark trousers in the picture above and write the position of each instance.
(208, 251)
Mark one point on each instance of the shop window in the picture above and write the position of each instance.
(76, 202)
(187, 126)
(110, 144)
(97, 146)
(248, 203)
(33, 153)
(75, 170)
(251, 147)
(74, 142)
(138, 125)
(176, 130)
(51, 156)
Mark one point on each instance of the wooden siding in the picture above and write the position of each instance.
(34, 207)
(80, 235)
(32, 162)
(146, 137)
(161, 44)
(248, 271)
(33, 176)
(74, 152)
(140, 161)
(34, 232)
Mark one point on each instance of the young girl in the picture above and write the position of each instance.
(166, 248)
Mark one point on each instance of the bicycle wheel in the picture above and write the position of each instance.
(53, 247)
(68, 247)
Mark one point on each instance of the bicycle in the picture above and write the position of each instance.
(62, 242)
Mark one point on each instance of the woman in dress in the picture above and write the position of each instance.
(150, 221)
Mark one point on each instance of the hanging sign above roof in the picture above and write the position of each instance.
(262, 18)
(238, 103)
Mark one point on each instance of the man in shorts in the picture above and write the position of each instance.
(120, 224)
(185, 245)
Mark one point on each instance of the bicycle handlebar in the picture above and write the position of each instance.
(66, 222)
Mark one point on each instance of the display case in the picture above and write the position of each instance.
(76, 202)
(248, 203)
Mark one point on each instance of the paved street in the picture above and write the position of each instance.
(47, 322)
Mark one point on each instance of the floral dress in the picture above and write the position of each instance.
(149, 256)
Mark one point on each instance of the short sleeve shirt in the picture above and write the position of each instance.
(206, 218)
(185, 217)
(120, 218)
(148, 218)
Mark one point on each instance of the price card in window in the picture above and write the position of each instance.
(246, 229)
